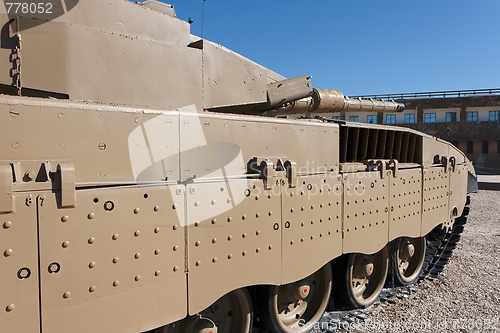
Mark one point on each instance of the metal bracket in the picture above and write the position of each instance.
(381, 167)
(266, 172)
(453, 163)
(291, 173)
(7, 203)
(395, 167)
(68, 187)
(444, 162)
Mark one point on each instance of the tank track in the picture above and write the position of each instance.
(440, 246)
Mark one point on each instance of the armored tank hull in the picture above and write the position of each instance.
(145, 185)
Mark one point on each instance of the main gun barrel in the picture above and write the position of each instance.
(297, 96)
(333, 101)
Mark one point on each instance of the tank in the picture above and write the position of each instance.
(155, 181)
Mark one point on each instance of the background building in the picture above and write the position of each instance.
(467, 118)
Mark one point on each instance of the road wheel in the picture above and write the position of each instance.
(408, 259)
(360, 278)
(295, 307)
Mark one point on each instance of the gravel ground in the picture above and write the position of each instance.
(465, 297)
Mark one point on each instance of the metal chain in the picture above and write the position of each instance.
(18, 61)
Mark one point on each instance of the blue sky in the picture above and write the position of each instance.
(361, 46)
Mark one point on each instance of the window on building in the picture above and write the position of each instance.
(390, 119)
(470, 146)
(429, 118)
(353, 118)
(485, 147)
(451, 117)
(410, 118)
(336, 117)
(494, 115)
(371, 119)
(472, 116)
(455, 143)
